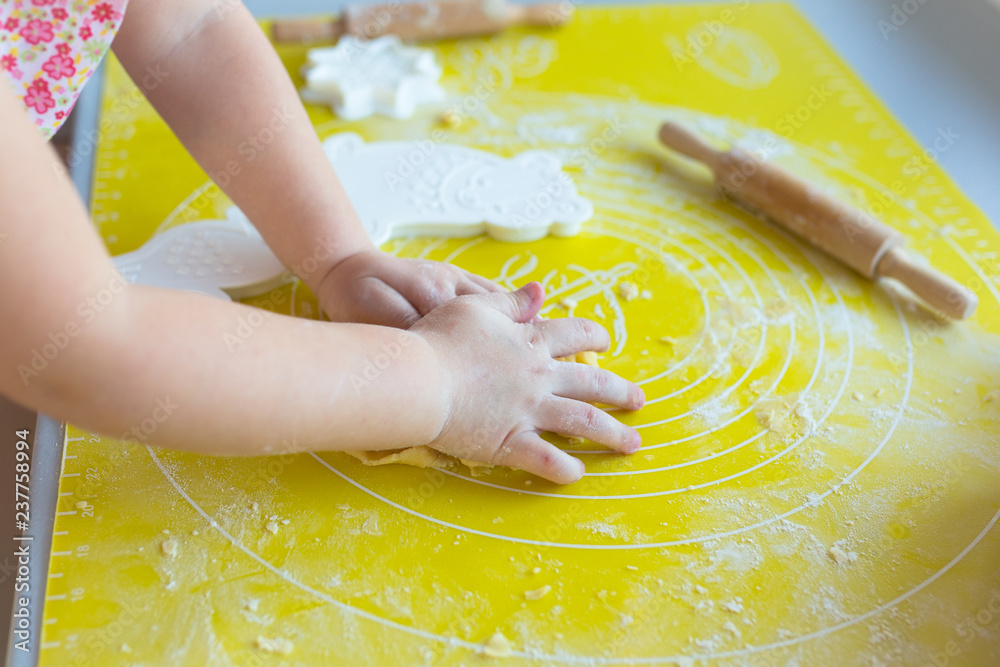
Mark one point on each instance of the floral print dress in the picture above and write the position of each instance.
(49, 49)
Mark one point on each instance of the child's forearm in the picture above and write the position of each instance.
(225, 93)
(189, 372)
(174, 368)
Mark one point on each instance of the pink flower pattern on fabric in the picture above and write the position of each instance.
(50, 48)
(38, 96)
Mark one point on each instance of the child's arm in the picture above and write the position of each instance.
(158, 365)
(213, 76)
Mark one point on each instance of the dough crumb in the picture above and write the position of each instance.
(586, 357)
(881, 390)
(732, 629)
(254, 507)
(568, 304)
(575, 440)
(841, 557)
(627, 290)
(497, 646)
(126, 648)
(668, 340)
(645, 294)
(169, 548)
(81, 505)
(858, 396)
(253, 604)
(272, 527)
(632, 567)
(536, 570)
(700, 589)
(538, 593)
(278, 645)
(783, 416)
(991, 396)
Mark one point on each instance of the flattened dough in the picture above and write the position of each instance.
(425, 457)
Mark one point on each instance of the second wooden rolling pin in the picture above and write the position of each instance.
(848, 234)
(417, 21)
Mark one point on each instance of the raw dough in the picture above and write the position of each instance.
(422, 187)
(278, 645)
(169, 548)
(627, 290)
(419, 457)
(425, 457)
(841, 557)
(538, 593)
(358, 78)
(497, 646)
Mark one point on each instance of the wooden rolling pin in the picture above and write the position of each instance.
(424, 20)
(848, 234)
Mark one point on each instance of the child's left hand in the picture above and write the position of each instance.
(374, 287)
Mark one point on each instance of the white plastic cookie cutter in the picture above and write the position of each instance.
(399, 188)
(221, 258)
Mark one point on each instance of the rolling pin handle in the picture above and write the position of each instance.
(688, 143)
(306, 30)
(936, 289)
(547, 14)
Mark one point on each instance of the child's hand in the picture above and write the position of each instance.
(507, 387)
(373, 287)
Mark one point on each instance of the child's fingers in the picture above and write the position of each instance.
(566, 336)
(596, 385)
(520, 306)
(467, 287)
(576, 418)
(527, 451)
(485, 283)
(384, 306)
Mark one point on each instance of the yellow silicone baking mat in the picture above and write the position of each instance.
(820, 477)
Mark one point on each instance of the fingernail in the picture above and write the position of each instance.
(634, 442)
(638, 397)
